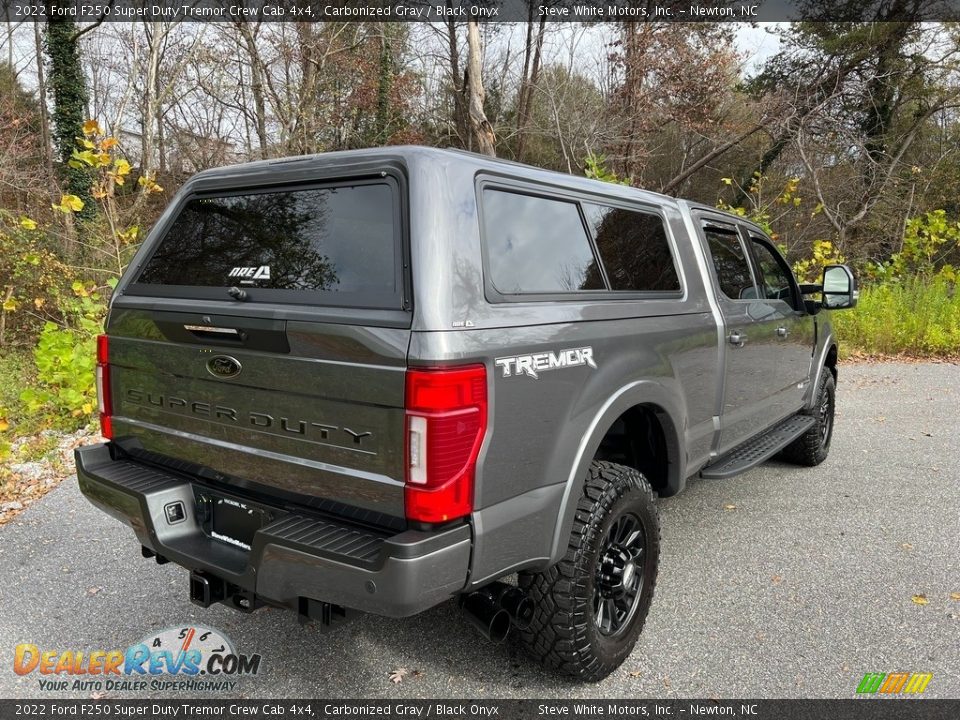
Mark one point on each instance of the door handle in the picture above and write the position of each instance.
(737, 338)
(782, 332)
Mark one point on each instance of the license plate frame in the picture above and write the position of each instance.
(235, 522)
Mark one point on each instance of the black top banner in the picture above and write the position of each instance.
(89, 11)
(589, 709)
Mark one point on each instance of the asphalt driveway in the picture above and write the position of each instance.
(784, 582)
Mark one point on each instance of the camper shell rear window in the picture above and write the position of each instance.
(335, 243)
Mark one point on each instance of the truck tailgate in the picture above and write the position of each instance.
(322, 420)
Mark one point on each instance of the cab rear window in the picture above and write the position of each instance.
(336, 245)
(567, 246)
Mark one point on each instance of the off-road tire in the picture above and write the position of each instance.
(812, 447)
(564, 634)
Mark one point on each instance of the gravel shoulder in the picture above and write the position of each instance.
(783, 582)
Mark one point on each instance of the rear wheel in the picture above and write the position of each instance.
(591, 606)
(812, 447)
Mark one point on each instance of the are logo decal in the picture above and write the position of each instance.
(536, 363)
(249, 274)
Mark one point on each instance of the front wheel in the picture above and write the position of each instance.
(591, 606)
(812, 447)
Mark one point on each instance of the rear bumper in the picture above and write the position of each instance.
(291, 558)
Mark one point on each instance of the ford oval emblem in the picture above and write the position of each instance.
(223, 366)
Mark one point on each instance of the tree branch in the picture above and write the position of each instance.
(92, 26)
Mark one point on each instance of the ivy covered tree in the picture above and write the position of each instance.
(68, 88)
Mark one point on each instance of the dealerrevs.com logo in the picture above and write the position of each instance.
(189, 658)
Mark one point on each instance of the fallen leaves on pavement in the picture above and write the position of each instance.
(25, 480)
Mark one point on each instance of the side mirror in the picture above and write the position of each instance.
(839, 288)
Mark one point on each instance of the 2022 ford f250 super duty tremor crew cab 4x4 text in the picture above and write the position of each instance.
(375, 380)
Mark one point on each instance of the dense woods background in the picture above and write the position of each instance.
(844, 143)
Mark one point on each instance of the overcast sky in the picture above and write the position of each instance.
(755, 43)
(758, 43)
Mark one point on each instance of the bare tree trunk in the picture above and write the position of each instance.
(42, 95)
(256, 85)
(480, 128)
(632, 86)
(461, 122)
(154, 33)
(527, 56)
(159, 89)
(531, 74)
(161, 142)
(242, 85)
(384, 83)
(308, 105)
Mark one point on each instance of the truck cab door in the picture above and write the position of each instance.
(784, 329)
(748, 400)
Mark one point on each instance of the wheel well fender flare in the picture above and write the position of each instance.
(820, 363)
(672, 413)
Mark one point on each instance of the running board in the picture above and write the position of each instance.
(762, 447)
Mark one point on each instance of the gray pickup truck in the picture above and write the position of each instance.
(376, 380)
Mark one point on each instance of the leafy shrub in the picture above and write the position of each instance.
(810, 270)
(30, 272)
(595, 168)
(918, 317)
(17, 371)
(762, 207)
(65, 355)
(66, 313)
(927, 241)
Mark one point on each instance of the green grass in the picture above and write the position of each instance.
(918, 318)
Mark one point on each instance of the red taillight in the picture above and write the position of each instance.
(104, 401)
(446, 423)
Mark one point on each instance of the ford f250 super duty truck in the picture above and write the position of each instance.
(376, 380)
